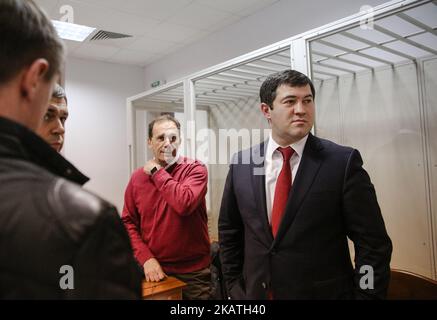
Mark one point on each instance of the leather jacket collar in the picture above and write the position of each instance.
(18, 142)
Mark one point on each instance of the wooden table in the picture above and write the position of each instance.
(168, 289)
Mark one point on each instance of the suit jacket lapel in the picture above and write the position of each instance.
(308, 168)
(259, 188)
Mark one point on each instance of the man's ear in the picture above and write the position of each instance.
(265, 109)
(149, 142)
(32, 77)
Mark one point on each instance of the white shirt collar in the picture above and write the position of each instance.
(298, 146)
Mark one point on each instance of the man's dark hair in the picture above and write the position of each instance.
(292, 78)
(165, 117)
(27, 34)
(59, 93)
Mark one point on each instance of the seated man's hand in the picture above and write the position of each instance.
(153, 270)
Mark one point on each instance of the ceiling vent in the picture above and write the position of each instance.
(105, 35)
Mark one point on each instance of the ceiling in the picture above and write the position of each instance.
(390, 40)
(405, 36)
(158, 28)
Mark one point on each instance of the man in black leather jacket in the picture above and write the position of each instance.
(57, 241)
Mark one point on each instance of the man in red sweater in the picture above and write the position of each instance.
(165, 213)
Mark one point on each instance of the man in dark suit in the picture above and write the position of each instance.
(290, 204)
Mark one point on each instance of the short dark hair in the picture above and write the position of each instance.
(27, 34)
(59, 92)
(165, 117)
(293, 78)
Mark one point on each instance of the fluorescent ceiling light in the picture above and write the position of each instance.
(71, 31)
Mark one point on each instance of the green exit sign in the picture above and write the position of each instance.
(155, 84)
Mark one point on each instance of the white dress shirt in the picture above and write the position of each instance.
(273, 165)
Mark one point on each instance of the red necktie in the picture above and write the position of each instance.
(282, 189)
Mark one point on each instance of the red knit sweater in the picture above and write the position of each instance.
(165, 216)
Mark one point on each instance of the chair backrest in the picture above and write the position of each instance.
(218, 284)
(405, 285)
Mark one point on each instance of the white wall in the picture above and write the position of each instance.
(282, 20)
(96, 127)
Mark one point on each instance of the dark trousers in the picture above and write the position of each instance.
(198, 284)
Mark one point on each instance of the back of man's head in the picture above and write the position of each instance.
(26, 34)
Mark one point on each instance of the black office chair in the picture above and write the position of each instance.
(217, 282)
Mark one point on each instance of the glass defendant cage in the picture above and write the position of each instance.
(375, 75)
(376, 86)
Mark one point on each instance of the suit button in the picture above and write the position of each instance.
(264, 285)
(273, 252)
